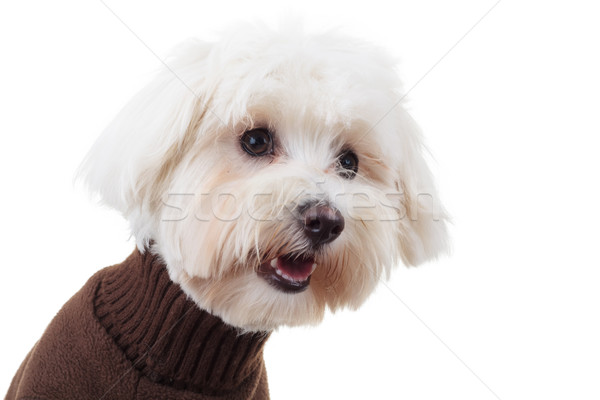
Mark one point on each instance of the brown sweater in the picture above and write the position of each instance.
(131, 333)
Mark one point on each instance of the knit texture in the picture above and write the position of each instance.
(131, 333)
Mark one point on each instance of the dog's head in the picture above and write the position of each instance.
(274, 172)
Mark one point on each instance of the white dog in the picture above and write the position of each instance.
(275, 175)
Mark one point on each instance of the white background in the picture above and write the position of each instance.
(511, 115)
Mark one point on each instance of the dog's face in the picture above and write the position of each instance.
(275, 175)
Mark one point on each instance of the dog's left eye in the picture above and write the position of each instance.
(348, 160)
(257, 142)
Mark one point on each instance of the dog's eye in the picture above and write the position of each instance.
(257, 142)
(349, 163)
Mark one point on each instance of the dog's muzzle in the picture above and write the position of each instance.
(291, 273)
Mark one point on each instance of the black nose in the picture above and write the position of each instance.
(323, 224)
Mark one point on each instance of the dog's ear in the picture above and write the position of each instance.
(136, 153)
(423, 233)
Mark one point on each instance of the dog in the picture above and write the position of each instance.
(266, 177)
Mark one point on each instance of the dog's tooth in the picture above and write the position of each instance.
(314, 266)
(274, 263)
(278, 272)
(285, 276)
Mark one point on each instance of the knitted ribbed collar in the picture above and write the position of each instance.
(167, 337)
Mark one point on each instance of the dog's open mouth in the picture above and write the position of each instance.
(289, 273)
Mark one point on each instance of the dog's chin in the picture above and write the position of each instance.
(289, 273)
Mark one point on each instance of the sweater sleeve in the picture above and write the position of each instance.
(74, 359)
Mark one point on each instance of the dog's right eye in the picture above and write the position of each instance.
(257, 142)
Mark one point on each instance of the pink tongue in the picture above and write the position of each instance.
(298, 269)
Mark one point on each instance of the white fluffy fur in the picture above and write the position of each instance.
(172, 164)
